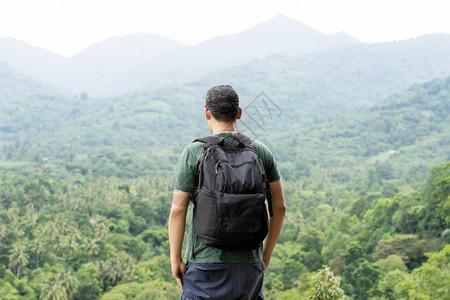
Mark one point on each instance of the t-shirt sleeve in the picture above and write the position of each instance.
(270, 165)
(185, 173)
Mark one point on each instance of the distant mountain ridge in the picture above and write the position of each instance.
(324, 83)
(32, 61)
(14, 85)
(282, 56)
(123, 64)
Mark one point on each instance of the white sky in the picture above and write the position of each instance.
(68, 26)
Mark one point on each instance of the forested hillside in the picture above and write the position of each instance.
(84, 196)
(14, 85)
(305, 89)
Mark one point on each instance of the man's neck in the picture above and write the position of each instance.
(224, 131)
(224, 128)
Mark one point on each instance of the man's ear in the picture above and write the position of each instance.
(239, 115)
(207, 114)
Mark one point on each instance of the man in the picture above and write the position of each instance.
(212, 273)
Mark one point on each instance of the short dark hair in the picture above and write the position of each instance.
(225, 117)
(223, 102)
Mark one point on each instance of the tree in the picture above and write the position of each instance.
(386, 285)
(74, 237)
(407, 246)
(430, 281)
(91, 249)
(59, 286)
(359, 207)
(436, 195)
(353, 252)
(384, 170)
(325, 286)
(391, 263)
(101, 229)
(311, 239)
(89, 283)
(380, 216)
(84, 96)
(38, 246)
(363, 278)
(18, 257)
(409, 214)
(13, 213)
(52, 290)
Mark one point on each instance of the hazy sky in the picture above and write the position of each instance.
(68, 26)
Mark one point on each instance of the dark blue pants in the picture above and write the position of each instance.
(223, 281)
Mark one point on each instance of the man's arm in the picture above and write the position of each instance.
(275, 222)
(177, 223)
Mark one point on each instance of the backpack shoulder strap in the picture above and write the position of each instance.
(244, 139)
(208, 140)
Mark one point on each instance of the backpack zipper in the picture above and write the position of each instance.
(203, 156)
(233, 166)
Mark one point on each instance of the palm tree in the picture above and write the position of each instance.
(30, 216)
(18, 257)
(68, 282)
(91, 249)
(19, 231)
(60, 286)
(2, 232)
(38, 247)
(101, 229)
(52, 290)
(13, 212)
(38, 244)
(59, 243)
(7, 192)
(74, 237)
(128, 267)
(115, 271)
(52, 230)
(103, 267)
(61, 223)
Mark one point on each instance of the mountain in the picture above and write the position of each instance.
(319, 84)
(32, 61)
(95, 68)
(280, 35)
(14, 85)
(124, 64)
(99, 68)
(408, 132)
(281, 56)
(305, 89)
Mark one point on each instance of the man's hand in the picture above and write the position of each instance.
(266, 261)
(178, 269)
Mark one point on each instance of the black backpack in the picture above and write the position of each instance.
(231, 213)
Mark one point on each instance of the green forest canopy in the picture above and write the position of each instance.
(367, 195)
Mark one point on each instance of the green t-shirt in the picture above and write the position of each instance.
(186, 179)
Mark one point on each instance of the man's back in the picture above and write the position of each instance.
(186, 179)
(211, 272)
